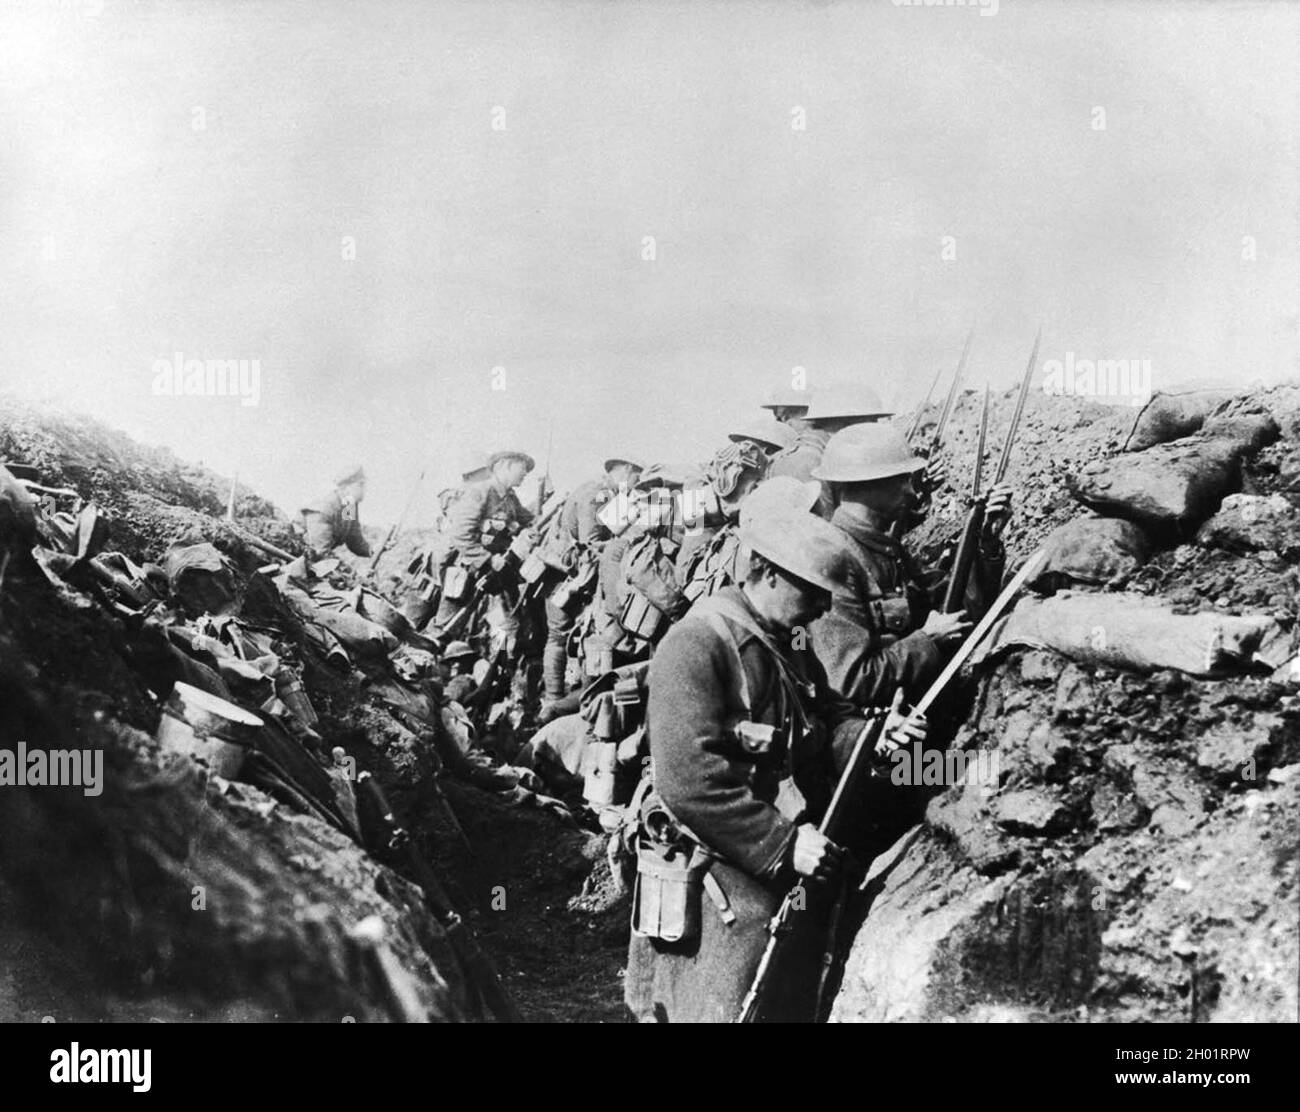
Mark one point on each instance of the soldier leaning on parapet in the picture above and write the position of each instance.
(332, 520)
(746, 742)
(576, 541)
(882, 632)
(481, 524)
(831, 409)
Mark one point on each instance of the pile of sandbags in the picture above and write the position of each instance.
(1169, 417)
(1098, 551)
(1176, 485)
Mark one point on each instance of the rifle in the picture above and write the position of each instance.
(781, 926)
(901, 525)
(546, 475)
(481, 973)
(920, 410)
(936, 437)
(397, 526)
(964, 560)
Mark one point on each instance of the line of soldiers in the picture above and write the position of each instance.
(735, 625)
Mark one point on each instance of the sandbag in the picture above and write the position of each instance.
(1169, 417)
(1170, 486)
(1251, 523)
(1251, 429)
(1096, 550)
(1138, 632)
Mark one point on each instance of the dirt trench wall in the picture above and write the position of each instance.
(1137, 862)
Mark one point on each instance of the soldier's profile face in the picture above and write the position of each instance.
(796, 602)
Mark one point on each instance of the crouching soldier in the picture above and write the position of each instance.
(481, 525)
(746, 743)
(332, 520)
(883, 631)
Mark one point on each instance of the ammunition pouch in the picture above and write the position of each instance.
(894, 614)
(533, 568)
(672, 873)
(666, 895)
(497, 534)
(456, 583)
(641, 617)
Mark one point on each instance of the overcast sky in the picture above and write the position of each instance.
(185, 177)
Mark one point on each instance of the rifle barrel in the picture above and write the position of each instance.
(979, 445)
(937, 438)
(920, 410)
(1020, 408)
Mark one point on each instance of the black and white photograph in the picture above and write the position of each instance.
(574, 512)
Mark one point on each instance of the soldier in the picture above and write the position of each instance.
(426, 565)
(710, 513)
(834, 408)
(481, 524)
(768, 433)
(576, 542)
(882, 632)
(746, 743)
(475, 473)
(652, 525)
(332, 520)
(789, 406)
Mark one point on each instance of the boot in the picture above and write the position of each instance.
(554, 660)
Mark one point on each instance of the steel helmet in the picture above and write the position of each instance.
(803, 545)
(636, 461)
(661, 475)
(847, 399)
(863, 453)
(766, 432)
(780, 492)
(529, 462)
(787, 397)
(458, 649)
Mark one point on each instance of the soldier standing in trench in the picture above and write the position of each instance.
(746, 742)
(578, 538)
(882, 631)
(481, 524)
(834, 408)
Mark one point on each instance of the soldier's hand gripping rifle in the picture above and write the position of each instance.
(781, 925)
(971, 534)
